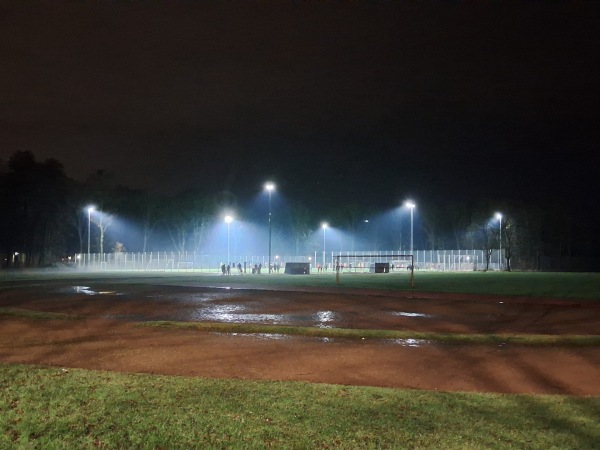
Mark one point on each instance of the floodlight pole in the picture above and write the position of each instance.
(228, 220)
(499, 217)
(324, 226)
(269, 187)
(411, 205)
(412, 208)
(89, 210)
(270, 230)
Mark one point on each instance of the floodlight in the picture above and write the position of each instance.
(270, 187)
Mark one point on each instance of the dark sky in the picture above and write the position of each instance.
(364, 100)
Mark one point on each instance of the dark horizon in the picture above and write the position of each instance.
(372, 101)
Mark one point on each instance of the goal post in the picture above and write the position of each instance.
(411, 267)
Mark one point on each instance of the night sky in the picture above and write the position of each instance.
(368, 101)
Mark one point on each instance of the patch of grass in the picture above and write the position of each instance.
(36, 315)
(533, 284)
(351, 333)
(57, 408)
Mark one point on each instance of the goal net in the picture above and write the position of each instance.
(374, 264)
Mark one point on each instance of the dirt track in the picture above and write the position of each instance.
(107, 338)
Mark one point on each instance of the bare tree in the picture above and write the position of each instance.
(299, 218)
(509, 232)
(487, 242)
(103, 221)
(432, 215)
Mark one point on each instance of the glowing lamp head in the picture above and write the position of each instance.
(410, 204)
(270, 186)
(324, 225)
(228, 219)
(499, 216)
(91, 209)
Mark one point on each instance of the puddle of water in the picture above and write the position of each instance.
(87, 291)
(84, 290)
(282, 337)
(411, 314)
(408, 342)
(324, 319)
(262, 336)
(199, 297)
(235, 314)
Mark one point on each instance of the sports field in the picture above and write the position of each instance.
(463, 360)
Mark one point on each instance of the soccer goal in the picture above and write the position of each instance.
(373, 263)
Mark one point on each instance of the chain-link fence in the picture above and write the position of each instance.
(435, 260)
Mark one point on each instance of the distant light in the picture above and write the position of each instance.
(324, 225)
(276, 256)
(228, 219)
(78, 256)
(366, 221)
(270, 186)
(310, 258)
(499, 216)
(409, 204)
(90, 209)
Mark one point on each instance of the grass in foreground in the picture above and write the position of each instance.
(55, 408)
(354, 333)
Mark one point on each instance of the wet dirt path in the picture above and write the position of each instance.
(108, 340)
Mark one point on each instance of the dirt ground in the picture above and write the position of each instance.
(107, 338)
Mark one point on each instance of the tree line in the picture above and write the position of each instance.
(44, 220)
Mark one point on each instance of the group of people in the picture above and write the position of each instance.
(256, 269)
(226, 269)
(321, 268)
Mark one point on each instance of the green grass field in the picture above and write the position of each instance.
(50, 408)
(535, 284)
(55, 408)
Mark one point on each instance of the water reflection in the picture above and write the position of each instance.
(414, 343)
(261, 336)
(87, 291)
(199, 297)
(234, 314)
(408, 342)
(84, 290)
(324, 319)
(411, 314)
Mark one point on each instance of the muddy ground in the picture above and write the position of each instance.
(107, 338)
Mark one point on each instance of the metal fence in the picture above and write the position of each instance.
(436, 260)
